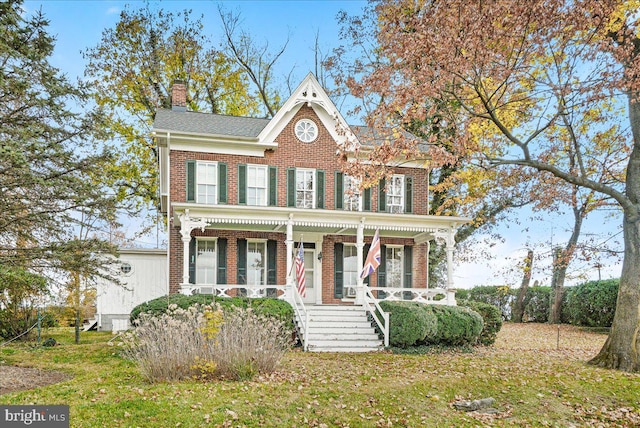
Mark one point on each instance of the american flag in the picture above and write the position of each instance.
(302, 282)
(373, 258)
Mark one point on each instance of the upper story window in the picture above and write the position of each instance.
(352, 200)
(207, 182)
(257, 185)
(305, 188)
(395, 194)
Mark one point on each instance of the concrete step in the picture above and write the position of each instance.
(345, 346)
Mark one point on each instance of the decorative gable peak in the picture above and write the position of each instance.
(310, 94)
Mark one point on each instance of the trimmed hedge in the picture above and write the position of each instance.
(268, 306)
(500, 296)
(537, 304)
(591, 304)
(456, 325)
(491, 318)
(409, 323)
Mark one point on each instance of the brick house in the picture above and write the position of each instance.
(241, 194)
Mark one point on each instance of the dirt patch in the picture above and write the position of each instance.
(14, 378)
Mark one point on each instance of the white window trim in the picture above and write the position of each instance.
(400, 249)
(346, 198)
(401, 195)
(199, 165)
(263, 202)
(351, 287)
(215, 259)
(265, 263)
(313, 186)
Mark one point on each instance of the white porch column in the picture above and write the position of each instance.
(289, 241)
(448, 238)
(186, 226)
(359, 252)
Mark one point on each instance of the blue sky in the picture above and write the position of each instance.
(78, 25)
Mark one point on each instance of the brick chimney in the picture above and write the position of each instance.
(179, 96)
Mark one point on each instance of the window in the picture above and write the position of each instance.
(352, 200)
(256, 263)
(205, 261)
(395, 194)
(207, 182)
(350, 269)
(125, 268)
(257, 185)
(305, 188)
(393, 266)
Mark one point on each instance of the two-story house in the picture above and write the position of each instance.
(241, 194)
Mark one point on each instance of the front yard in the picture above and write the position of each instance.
(534, 383)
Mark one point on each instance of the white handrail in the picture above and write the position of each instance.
(302, 315)
(368, 298)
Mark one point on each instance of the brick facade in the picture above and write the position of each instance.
(290, 152)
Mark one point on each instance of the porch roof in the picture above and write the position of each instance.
(328, 222)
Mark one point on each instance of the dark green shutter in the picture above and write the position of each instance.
(320, 189)
(242, 261)
(382, 269)
(291, 187)
(408, 194)
(191, 181)
(221, 277)
(222, 183)
(382, 196)
(339, 190)
(367, 199)
(273, 186)
(338, 267)
(408, 270)
(272, 277)
(408, 266)
(242, 184)
(192, 261)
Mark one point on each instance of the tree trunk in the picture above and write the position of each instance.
(518, 305)
(620, 351)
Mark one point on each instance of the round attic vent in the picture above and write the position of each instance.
(306, 130)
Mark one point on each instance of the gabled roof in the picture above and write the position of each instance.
(208, 124)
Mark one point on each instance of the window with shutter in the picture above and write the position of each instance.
(338, 278)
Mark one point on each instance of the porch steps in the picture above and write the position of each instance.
(341, 328)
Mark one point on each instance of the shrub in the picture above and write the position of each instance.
(203, 342)
(591, 304)
(170, 346)
(409, 323)
(536, 304)
(499, 296)
(491, 320)
(456, 325)
(277, 308)
(249, 343)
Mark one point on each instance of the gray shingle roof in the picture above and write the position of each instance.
(207, 123)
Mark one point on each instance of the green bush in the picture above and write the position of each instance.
(456, 325)
(536, 304)
(591, 304)
(409, 323)
(491, 318)
(267, 306)
(500, 296)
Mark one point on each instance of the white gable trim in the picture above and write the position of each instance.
(311, 93)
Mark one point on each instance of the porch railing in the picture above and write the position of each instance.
(372, 306)
(433, 296)
(220, 290)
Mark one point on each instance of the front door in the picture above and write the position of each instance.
(309, 267)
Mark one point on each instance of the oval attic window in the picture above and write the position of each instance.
(125, 268)
(306, 130)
